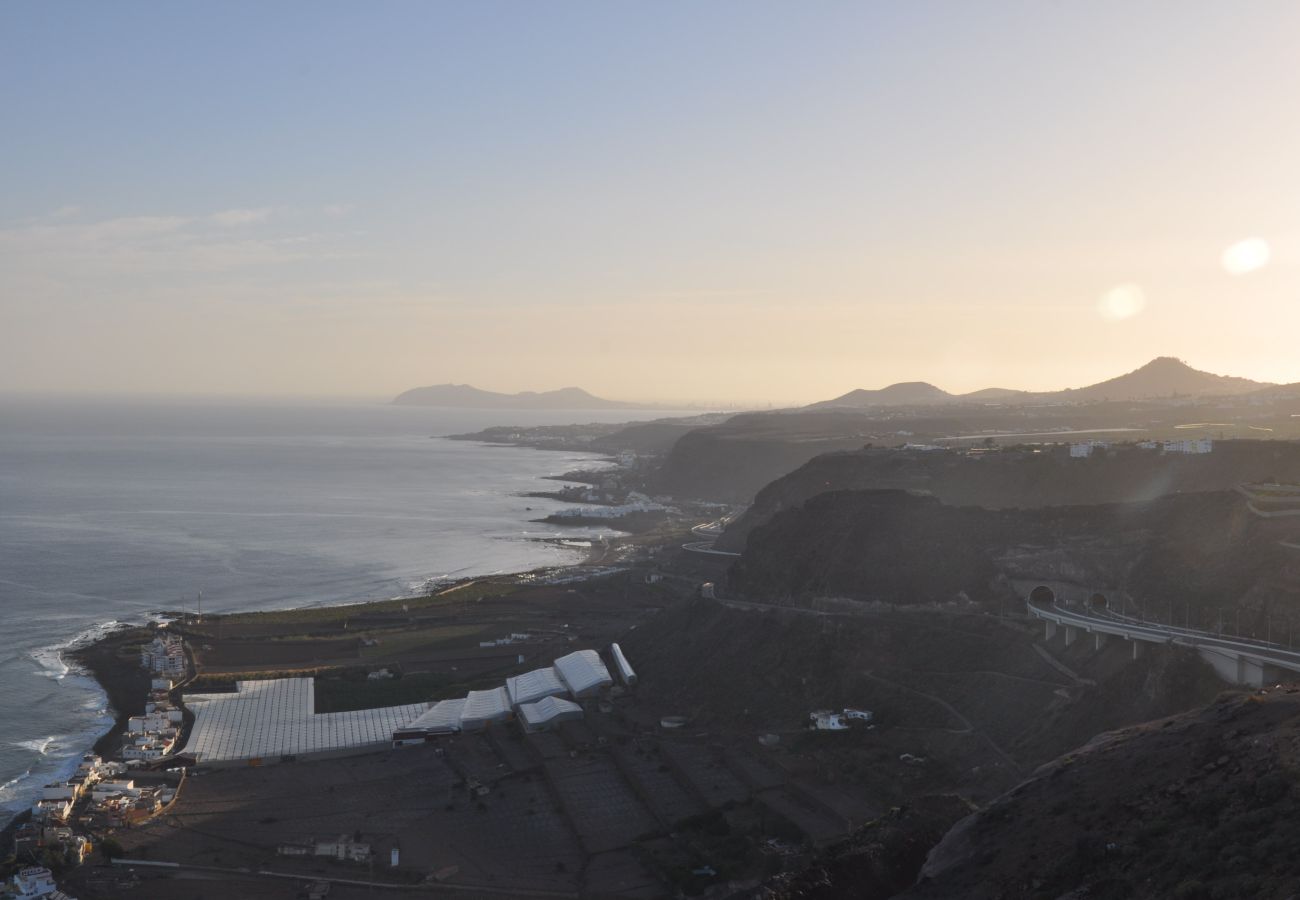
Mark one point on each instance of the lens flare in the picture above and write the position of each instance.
(1121, 302)
(1246, 256)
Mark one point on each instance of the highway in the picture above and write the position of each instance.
(711, 530)
(1252, 658)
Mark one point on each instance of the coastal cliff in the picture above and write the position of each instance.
(1023, 478)
(1206, 550)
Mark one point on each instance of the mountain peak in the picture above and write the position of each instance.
(1166, 376)
(464, 396)
(903, 393)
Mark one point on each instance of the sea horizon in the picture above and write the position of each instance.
(113, 512)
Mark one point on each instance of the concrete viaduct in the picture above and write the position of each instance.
(1237, 660)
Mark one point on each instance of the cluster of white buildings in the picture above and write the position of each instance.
(111, 795)
(121, 801)
(513, 638)
(1084, 449)
(539, 700)
(165, 656)
(57, 799)
(273, 720)
(634, 503)
(1190, 445)
(154, 734)
(343, 848)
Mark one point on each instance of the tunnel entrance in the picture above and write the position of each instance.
(1099, 601)
(1042, 594)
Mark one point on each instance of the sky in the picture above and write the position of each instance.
(723, 202)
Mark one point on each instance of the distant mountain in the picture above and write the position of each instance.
(993, 395)
(464, 396)
(905, 393)
(1164, 376)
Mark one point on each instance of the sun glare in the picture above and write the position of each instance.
(1246, 256)
(1121, 302)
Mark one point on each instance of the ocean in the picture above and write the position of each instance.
(112, 510)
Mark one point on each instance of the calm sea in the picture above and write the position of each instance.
(112, 510)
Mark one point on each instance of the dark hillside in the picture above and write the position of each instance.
(731, 461)
(1203, 805)
(1204, 552)
(1024, 479)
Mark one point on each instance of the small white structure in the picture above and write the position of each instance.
(483, 708)
(34, 881)
(828, 720)
(63, 791)
(1084, 449)
(548, 712)
(825, 720)
(533, 686)
(626, 673)
(344, 848)
(1197, 445)
(583, 673)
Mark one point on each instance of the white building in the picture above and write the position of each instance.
(484, 708)
(580, 674)
(273, 718)
(1196, 445)
(34, 881)
(545, 714)
(583, 673)
(164, 655)
(533, 686)
(624, 668)
(1084, 449)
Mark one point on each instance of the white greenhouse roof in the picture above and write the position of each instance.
(485, 707)
(443, 716)
(625, 670)
(548, 709)
(533, 686)
(277, 718)
(583, 672)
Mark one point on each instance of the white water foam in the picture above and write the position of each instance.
(57, 756)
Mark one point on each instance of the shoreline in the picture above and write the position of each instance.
(124, 684)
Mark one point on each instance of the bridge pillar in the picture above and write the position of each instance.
(1051, 628)
(1137, 648)
(1071, 635)
(1250, 671)
(1098, 640)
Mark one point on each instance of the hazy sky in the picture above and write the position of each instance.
(723, 200)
